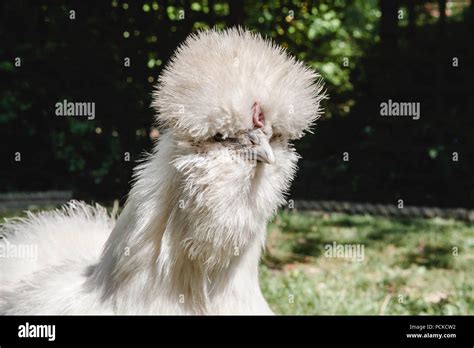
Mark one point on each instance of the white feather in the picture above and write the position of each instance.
(191, 233)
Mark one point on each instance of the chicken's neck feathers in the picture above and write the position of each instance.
(156, 238)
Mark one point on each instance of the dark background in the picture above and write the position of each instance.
(399, 50)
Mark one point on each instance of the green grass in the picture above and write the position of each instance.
(410, 266)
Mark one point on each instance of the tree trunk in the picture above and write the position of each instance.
(411, 18)
(236, 12)
(389, 22)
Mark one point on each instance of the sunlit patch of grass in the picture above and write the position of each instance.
(410, 266)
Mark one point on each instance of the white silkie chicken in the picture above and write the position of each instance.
(193, 228)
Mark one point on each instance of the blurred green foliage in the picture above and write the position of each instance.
(362, 55)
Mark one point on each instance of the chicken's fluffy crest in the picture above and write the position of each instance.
(215, 76)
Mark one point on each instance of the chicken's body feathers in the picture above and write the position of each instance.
(192, 231)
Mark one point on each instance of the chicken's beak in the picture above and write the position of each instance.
(263, 149)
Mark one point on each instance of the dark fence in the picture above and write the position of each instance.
(12, 202)
(385, 210)
(17, 201)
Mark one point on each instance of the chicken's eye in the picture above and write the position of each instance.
(276, 136)
(218, 137)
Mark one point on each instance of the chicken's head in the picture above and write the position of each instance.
(233, 101)
(220, 84)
